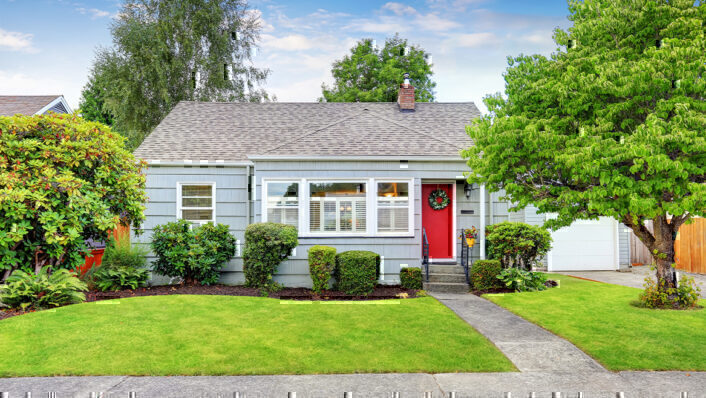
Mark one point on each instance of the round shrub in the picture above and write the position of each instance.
(266, 245)
(411, 278)
(517, 244)
(357, 272)
(194, 254)
(484, 275)
(322, 262)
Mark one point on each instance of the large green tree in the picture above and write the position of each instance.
(612, 124)
(166, 51)
(371, 74)
(63, 181)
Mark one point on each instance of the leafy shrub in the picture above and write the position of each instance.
(322, 262)
(411, 278)
(193, 254)
(686, 295)
(523, 281)
(44, 290)
(266, 245)
(517, 244)
(122, 254)
(357, 272)
(123, 267)
(119, 278)
(64, 180)
(484, 275)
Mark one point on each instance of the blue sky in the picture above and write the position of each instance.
(47, 46)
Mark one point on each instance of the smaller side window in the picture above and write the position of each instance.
(198, 203)
(283, 202)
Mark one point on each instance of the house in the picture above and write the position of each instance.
(355, 176)
(11, 105)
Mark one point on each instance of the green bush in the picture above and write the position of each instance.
(686, 295)
(411, 278)
(523, 281)
(517, 244)
(194, 254)
(484, 274)
(322, 262)
(266, 245)
(25, 290)
(119, 278)
(122, 254)
(357, 272)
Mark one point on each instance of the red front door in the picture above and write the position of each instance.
(438, 223)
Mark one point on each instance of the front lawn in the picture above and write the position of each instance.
(599, 319)
(224, 335)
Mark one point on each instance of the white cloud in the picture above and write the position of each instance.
(293, 42)
(434, 22)
(399, 8)
(16, 41)
(93, 12)
(13, 83)
(471, 40)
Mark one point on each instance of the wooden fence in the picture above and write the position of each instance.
(690, 248)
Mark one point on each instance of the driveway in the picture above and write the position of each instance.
(636, 278)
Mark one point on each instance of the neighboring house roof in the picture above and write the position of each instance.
(233, 131)
(11, 105)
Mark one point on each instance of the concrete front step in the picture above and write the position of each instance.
(447, 278)
(441, 287)
(445, 269)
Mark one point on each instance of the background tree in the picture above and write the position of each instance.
(63, 180)
(167, 51)
(371, 74)
(613, 126)
(92, 102)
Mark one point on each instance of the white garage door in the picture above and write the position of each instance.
(586, 245)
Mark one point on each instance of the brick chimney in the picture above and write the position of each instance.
(405, 98)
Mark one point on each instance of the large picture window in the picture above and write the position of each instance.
(352, 207)
(197, 202)
(337, 207)
(283, 202)
(393, 207)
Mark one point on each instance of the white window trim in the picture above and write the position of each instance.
(370, 203)
(179, 207)
(264, 197)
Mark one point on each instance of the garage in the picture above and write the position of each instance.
(586, 245)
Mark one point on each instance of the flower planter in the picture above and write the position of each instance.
(94, 259)
(470, 241)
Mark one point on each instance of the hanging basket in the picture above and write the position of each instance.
(439, 199)
(470, 241)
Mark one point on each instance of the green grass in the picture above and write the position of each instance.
(600, 320)
(222, 335)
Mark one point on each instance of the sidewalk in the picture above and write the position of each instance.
(600, 384)
(528, 346)
(635, 278)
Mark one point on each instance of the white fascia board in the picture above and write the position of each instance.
(276, 158)
(157, 162)
(59, 99)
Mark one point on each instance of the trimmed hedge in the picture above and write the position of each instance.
(357, 272)
(484, 275)
(411, 278)
(322, 263)
(266, 245)
(517, 244)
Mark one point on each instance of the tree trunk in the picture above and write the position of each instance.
(661, 244)
(662, 251)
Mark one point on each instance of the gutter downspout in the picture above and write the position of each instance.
(482, 222)
(247, 194)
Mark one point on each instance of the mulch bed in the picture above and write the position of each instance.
(549, 283)
(379, 293)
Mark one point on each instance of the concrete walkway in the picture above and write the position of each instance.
(528, 346)
(635, 278)
(600, 384)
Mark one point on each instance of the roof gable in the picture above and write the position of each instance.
(11, 105)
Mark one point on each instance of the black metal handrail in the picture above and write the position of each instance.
(465, 257)
(425, 254)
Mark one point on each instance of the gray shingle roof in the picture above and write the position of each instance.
(11, 105)
(233, 131)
